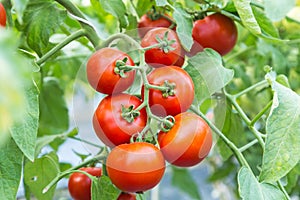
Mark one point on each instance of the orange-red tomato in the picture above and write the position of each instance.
(188, 142)
(2, 15)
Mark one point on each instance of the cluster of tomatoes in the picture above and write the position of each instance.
(122, 120)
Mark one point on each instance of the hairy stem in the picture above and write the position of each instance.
(62, 44)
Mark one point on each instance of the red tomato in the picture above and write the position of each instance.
(2, 15)
(216, 31)
(126, 196)
(80, 185)
(184, 91)
(188, 142)
(110, 126)
(101, 75)
(135, 167)
(156, 57)
(181, 58)
(146, 24)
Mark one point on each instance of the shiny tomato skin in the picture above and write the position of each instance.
(101, 75)
(2, 15)
(126, 196)
(156, 57)
(188, 142)
(184, 91)
(216, 31)
(146, 24)
(108, 123)
(79, 185)
(135, 167)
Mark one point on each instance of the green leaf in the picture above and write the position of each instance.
(250, 188)
(41, 172)
(11, 159)
(208, 73)
(162, 2)
(245, 12)
(20, 6)
(42, 18)
(25, 131)
(282, 148)
(231, 125)
(277, 9)
(54, 117)
(184, 26)
(118, 9)
(103, 189)
(143, 6)
(266, 25)
(292, 178)
(183, 180)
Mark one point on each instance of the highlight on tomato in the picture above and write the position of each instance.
(114, 120)
(215, 31)
(135, 167)
(103, 75)
(79, 184)
(188, 142)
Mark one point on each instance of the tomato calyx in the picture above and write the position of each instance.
(121, 68)
(167, 123)
(129, 113)
(165, 44)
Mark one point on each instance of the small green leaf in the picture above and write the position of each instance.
(250, 188)
(41, 172)
(25, 131)
(208, 74)
(118, 9)
(42, 18)
(282, 148)
(245, 12)
(184, 26)
(183, 180)
(277, 9)
(103, 189)
(54, 117)
(162, 2)
(11, 159)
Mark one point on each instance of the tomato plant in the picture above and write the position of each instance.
(215, 31)
(101, 71)
(80, 185)
(2, 15)
(178, 95)
(226, 67)
(165, 55)
(126, 196)
(109, 124)
(135, 167)
(150, 21)
(188, 142)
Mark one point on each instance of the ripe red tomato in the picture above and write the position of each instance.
(101, 75)
(80, 185)
(2, 15)
(126, 196)
(216, 31)
(135, 167)
(184, 91)
(110, 126)
(181, 59)
(156, 57)
(146, 24)
(188, 142)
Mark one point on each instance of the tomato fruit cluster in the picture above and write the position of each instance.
(2, 15)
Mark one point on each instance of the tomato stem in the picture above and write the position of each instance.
(66, 41)
(261, 113)
(248, 145)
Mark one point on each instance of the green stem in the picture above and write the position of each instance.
(230, 144)
(62, 44)
(91, 34)
(61, 175)
(261, 113)
(232, 99)
(283, 190)
(85, 141)
(122, 36)
(263, 83)
(247, 146)
(156, 87)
